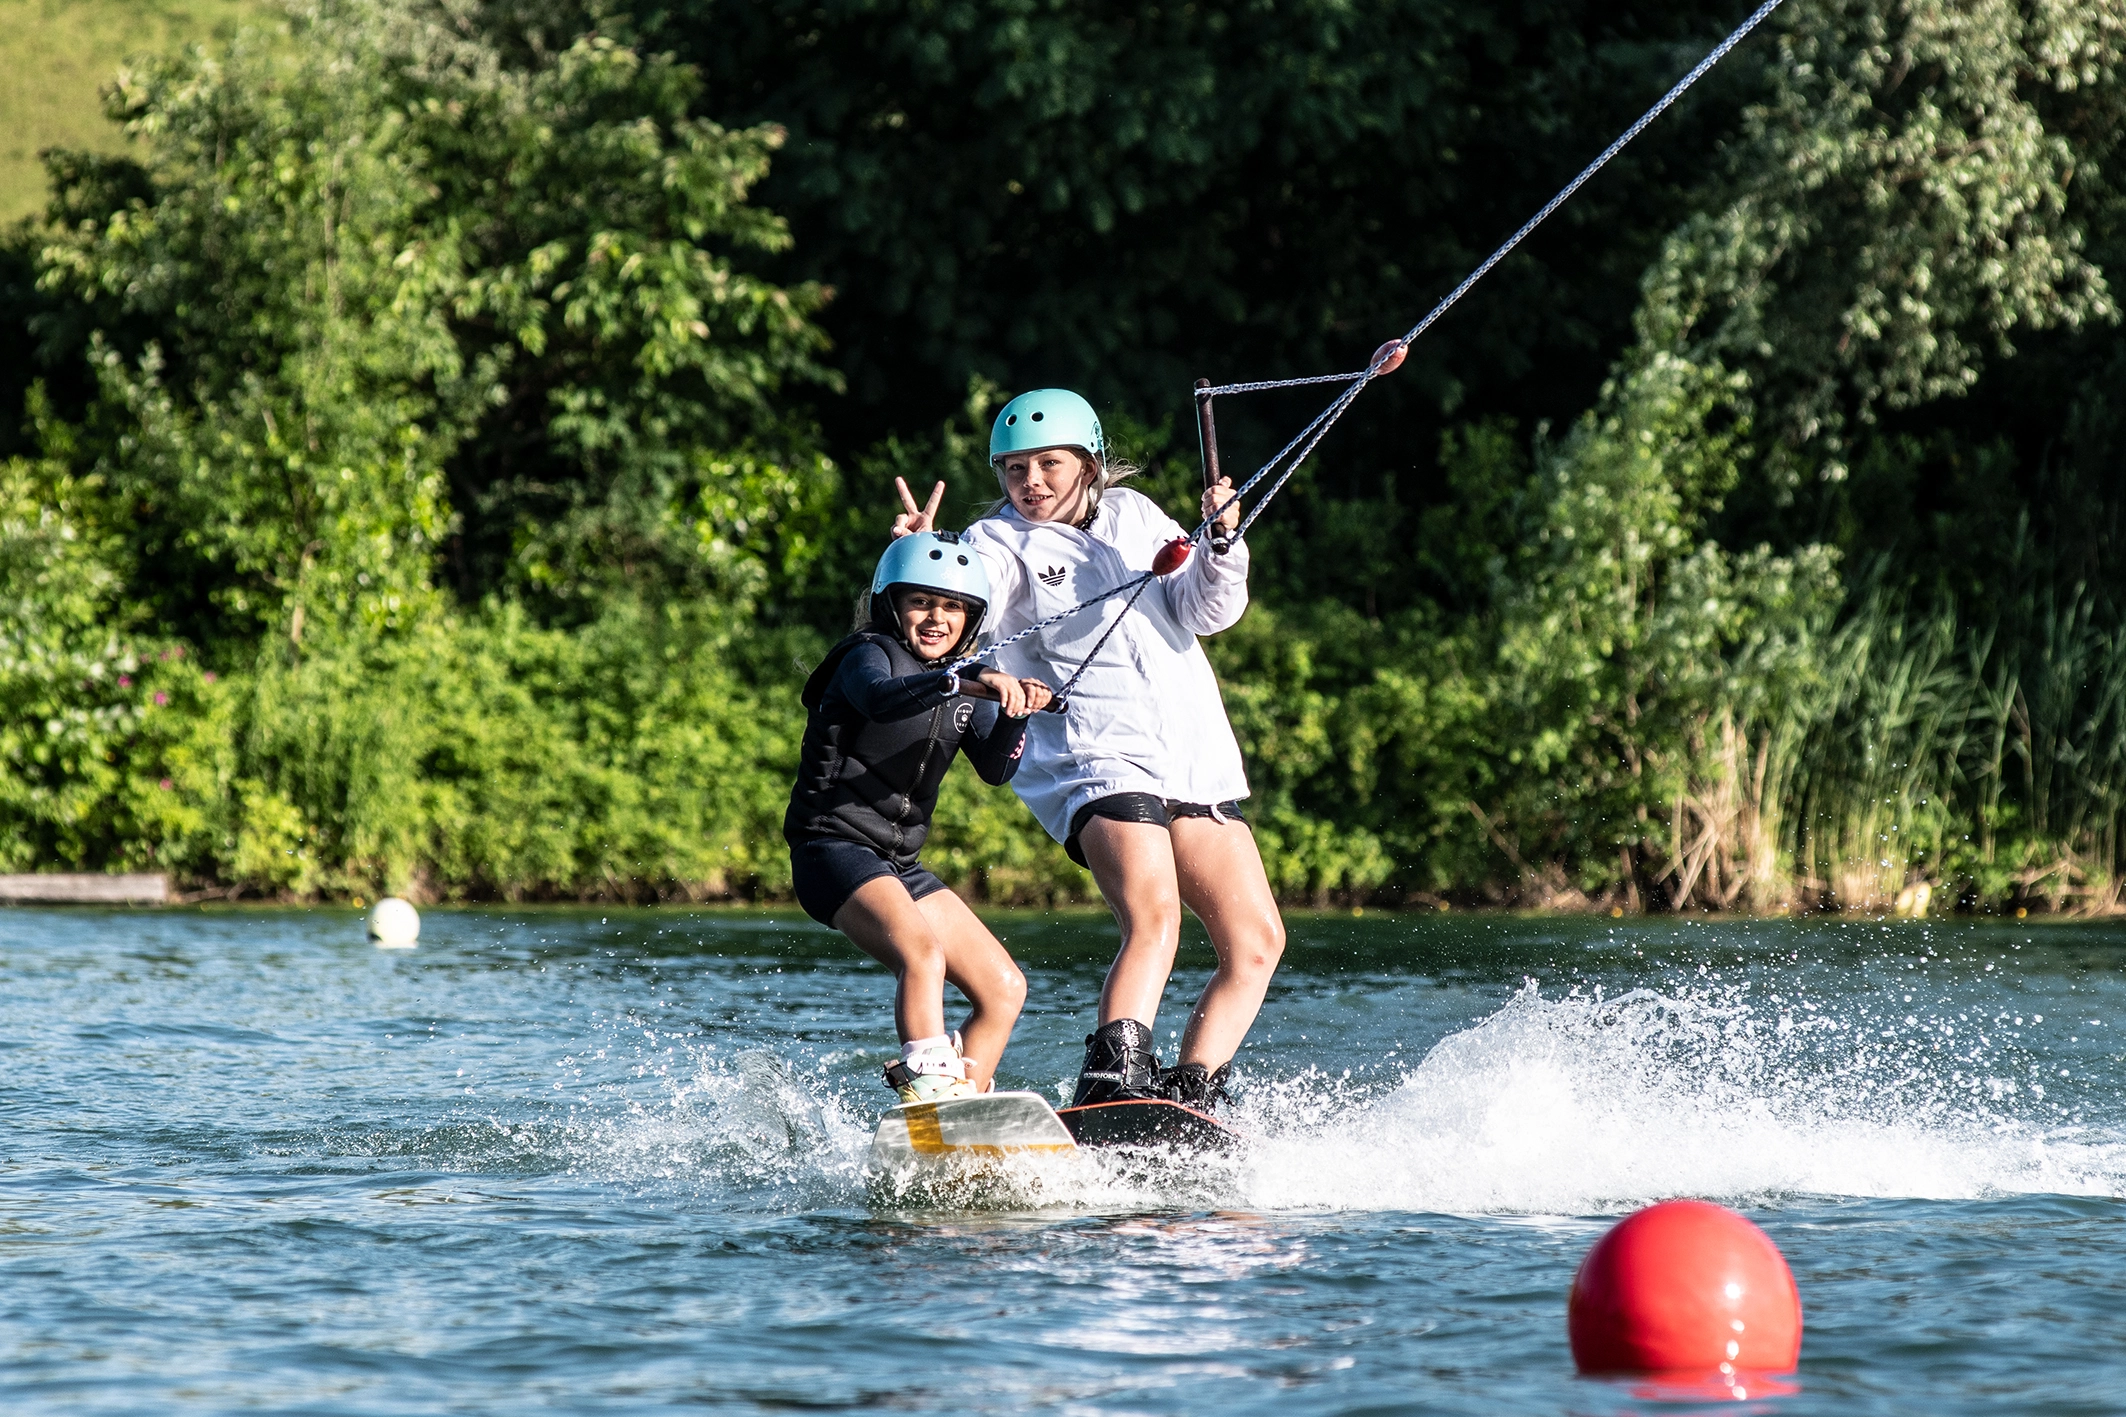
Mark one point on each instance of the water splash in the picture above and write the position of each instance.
(1591, 1104)
(1583, 1104)
(749, 1123)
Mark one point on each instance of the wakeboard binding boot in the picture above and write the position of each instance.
(1195, 1086)
(1120, 1065)
(930, 1070)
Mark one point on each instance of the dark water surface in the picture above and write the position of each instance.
(614, 1162)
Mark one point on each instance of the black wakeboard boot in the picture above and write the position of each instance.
(1194, 1085)
(1120, 1065)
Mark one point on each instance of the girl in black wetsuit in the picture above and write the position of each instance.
(885, 721)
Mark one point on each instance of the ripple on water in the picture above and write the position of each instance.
(618, 1162)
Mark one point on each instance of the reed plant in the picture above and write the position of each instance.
(1987, 761)
(1880, 763)
(2060, 736)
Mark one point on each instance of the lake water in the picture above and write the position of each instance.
(614, 1162)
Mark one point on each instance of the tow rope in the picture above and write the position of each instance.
(1385, 360)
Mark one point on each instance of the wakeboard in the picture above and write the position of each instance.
(1002, 1124)
(1148, 1123)
(995, 1124)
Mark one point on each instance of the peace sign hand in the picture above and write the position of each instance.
(912, 520)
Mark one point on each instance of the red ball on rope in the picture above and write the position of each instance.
(1388, 358)
(1171, 556)
(1685, 1287)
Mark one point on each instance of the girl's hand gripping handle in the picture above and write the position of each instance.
(1019, 697)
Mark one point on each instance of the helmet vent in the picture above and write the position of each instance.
(937, 555)
(1011, 420)
(1037, 418)
(963, 560)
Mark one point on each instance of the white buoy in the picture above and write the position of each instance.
(394, 924)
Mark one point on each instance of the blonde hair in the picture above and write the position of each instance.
(1107, 471)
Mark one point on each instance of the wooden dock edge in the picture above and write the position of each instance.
(84, 888)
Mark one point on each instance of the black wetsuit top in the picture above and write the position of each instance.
(882, 730)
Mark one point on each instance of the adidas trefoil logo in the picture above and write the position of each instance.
(1052, 577)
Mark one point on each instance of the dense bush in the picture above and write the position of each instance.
(438, 468)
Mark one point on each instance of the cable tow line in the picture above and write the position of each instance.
(1385, 361)
(1377, 366)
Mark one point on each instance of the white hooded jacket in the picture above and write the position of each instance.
(1147, 716)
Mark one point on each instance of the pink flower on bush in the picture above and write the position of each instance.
(161, 697)
(208, 676)
(125, 681)
(166, 784)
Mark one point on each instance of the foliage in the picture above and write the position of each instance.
(99, 722)
(345, 275)
(1550, 734)
(338, 282)
(1122, 196)
(463, 755)
(1895, 205)
(488, 756)
(426, 482)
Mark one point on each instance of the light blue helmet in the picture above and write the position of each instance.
(1046, 418)
(930, 560)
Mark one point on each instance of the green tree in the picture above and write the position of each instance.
(101, 759)
(398, 296)
(424, 484)
(1121, 196)
(1894, 209)
(348, 277)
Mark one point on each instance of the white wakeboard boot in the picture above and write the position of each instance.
(930, 1070)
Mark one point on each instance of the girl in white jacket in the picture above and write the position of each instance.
(1141, 779)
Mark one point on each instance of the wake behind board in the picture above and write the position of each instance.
(995, 1124)
(1148, 1123)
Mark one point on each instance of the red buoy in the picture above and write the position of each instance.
(1388, 358)
(1685, 1287)
(1171, 556)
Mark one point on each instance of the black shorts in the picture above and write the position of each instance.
(1141, 807)
(826, 870)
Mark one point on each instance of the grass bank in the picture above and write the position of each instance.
(57, 54)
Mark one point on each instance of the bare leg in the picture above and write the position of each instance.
(1220, 876)
(884, 922)
(925, 943)
(1133, 864)
(980, 968)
